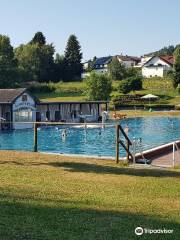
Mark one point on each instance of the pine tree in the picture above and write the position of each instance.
(39, 38)
(73, 57)
(8, 70)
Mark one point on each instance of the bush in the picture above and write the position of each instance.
(132, 72)
(135, 82)
(42, 88)
(130, 84)
(98, 86)
(124, 87)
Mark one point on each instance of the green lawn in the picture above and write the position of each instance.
(161, 87)
(52, 197)
(62, 96)
(74, 91)
(70, 91)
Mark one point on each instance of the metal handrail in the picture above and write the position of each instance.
(118, 141)
(125, 135)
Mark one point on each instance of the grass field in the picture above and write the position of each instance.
(74, 91)
(146, 113)
(70, 91)
(52, 197)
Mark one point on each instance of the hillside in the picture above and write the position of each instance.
(74, 91)
(168, 50)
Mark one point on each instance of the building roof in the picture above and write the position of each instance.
(128, 58)
(167, 59)
(10, 95)
(103, 60)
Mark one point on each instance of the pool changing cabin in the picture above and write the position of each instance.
(18, 105)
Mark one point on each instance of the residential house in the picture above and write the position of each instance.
(128, 61)
(101, 64)
(157, 66)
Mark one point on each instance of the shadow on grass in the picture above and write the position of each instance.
(100, 169)
(94, 168)
(20, 220)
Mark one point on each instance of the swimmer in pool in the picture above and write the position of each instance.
(64, 134)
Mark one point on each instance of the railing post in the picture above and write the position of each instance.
(127, 153)
(35, 137)
(117, 143)
(173, 154)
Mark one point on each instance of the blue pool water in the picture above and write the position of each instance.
(94, 141)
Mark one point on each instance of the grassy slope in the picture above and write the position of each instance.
(52, 197)
(158, 86)
(70, 91)
(73, 91)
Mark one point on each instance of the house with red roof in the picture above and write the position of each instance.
(128, 61)
(157, 66)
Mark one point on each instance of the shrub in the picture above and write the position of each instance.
(135, 82)
(98, 86)
(130, 84)
(124, 87)
(42, 88)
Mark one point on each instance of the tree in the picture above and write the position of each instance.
(130, 84)
(131, 72)
(164, 51)
(98, 86)
(116, 69)
(59, 68)
(38, 38)
(35, 62)
(135, 82)
(73, 57)
(8, 70)
(176, 75)
(91, 64)
(124, 86)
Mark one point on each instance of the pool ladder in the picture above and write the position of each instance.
(120, 131)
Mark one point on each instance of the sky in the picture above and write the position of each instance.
(103, 27)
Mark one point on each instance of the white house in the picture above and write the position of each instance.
(157, 66)
(128, 61)
(101, 64)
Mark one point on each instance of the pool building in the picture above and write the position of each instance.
(19, 105)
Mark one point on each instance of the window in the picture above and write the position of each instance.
(24, 97)
(23, 116)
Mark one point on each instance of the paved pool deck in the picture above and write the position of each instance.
(162, 156)
(166, 159)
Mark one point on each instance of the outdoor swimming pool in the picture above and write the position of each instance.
(153, 131)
